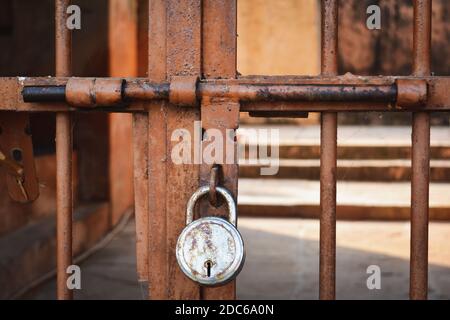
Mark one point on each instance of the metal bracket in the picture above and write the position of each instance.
(16, 157)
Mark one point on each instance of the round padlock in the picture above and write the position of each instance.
(210, 250)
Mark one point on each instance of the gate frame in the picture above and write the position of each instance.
(196, 39)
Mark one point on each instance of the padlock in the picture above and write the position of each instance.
(210, 250)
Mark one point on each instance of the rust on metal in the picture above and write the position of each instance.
(411, 93)
(420, 176)
(184, 29)
(328, 155)
(11, 166)
(108, 92)
(183, 91)
(145, 90)
(64, 203)
(219, 49)
(93, 92)
(158, 269)
(291, 92)
(17, 158)
(79, 92)
(257, 94)
(213, 183)
(172, 25)
(140, 165)
(186, 40)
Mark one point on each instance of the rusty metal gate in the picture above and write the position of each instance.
(192, 76)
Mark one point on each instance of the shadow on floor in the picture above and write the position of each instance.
(283, 267)
(277, 267)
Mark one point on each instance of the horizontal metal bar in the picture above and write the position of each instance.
(299, 92)
(243, 93)
(44, 94)
(255, 94)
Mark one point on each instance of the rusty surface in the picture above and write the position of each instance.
(145, 90)
(183, 91)
(328, 153)
(78, 92)
(420, 158)
(291, 92)
(174, 50)
(11, 166)
(179, 53)
(108, 92)
(183, 59)
(18, 163)
(140, 158)
(214, 180)
(64, 203)
(92, 92)
(140, 150)
(276, 94)
(219, 50)
(157, 157)
(411, 93)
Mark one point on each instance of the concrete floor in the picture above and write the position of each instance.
(282, 262)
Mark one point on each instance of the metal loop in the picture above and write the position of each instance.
(229, 199)
(213, 183)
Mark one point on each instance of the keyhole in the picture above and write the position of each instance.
(208, 266)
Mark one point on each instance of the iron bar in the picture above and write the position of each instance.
(219, 50)
(328, 155)
(63, 158)
(158, 226)
(243, 92)
(420, 158)
(414, 93)
(140, 173)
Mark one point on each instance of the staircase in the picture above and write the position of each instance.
(374, 170)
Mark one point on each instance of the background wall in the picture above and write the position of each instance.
(282, 37)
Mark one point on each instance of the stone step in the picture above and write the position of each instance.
(355, 200)
(28, 253)
(348, 170)
(354, 142)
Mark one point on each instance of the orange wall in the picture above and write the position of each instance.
(279, 37)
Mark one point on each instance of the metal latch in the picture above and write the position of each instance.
(16, 157)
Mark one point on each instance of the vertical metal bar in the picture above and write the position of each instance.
(157, 153)
(184, 22)
(420, 158)
(63, 158)
(328, 153)
(140, 164)
(219, 61)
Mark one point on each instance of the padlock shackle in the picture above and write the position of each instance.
(200, 192)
